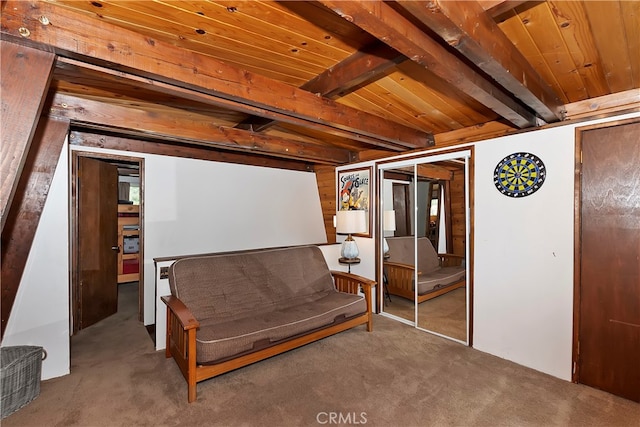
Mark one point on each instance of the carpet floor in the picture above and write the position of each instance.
(393, 376)
(446, 314)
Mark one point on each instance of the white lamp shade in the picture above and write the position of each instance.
(352, 221)
(389, 221)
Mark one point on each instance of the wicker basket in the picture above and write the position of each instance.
(20, 376)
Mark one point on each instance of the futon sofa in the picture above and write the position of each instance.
(437, 273)
(228, 310)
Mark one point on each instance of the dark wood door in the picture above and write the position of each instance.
(401, 205)
(97, 240)
(609, 332)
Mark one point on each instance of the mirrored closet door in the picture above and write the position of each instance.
(424, 220)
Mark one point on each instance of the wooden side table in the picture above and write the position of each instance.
(349, 262)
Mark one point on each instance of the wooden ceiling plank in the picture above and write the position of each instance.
(26, 76)
(468, 29)
(380, 20)
(175, 125)
(572, 21)
(605, 19)
(539, 22)
(71, 34)
(523, 41)
(24, 214)
(455, 104)
(357, 69)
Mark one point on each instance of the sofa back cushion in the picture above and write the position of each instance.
(232, 286)
(401, 249)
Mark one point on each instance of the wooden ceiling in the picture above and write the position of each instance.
(331, 82)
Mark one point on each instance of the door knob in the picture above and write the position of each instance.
(115, 248)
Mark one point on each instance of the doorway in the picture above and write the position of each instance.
(607, 284)
(106, 235)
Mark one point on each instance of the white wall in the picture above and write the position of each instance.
(190, 206)
(40, 314)
(523, 259)
(523, 254)
(196, 206)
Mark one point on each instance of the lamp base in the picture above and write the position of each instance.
(349, 249)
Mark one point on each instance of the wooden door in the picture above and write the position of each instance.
(97, 241)
(401, 205)
(609, 316)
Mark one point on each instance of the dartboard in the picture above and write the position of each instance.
(519, 175)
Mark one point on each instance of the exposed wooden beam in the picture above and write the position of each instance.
(382, 21)
(113, 77)
(75, 35)
(434, 172)
(467, 28)
(93, 138)
(26, 209)
(604, 104)
(25, 75)
(176, 125)
(364, 66)
(427, 171)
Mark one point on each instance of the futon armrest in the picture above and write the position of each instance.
(399, 265)
(450, 260)
(181, 312)
(349, 282)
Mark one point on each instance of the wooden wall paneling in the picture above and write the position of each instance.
(26, 209)
(326, 179)
(25, 77)
(458, 213)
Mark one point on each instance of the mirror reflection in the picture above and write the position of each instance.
(425, 244)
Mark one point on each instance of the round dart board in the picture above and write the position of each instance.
(519, 175)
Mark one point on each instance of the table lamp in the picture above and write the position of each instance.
(388, 224)
(349, 222)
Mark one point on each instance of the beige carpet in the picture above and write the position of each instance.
(394, 376)
(445, 314)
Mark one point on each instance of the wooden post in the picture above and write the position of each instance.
(24, 215)
(25, 74)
